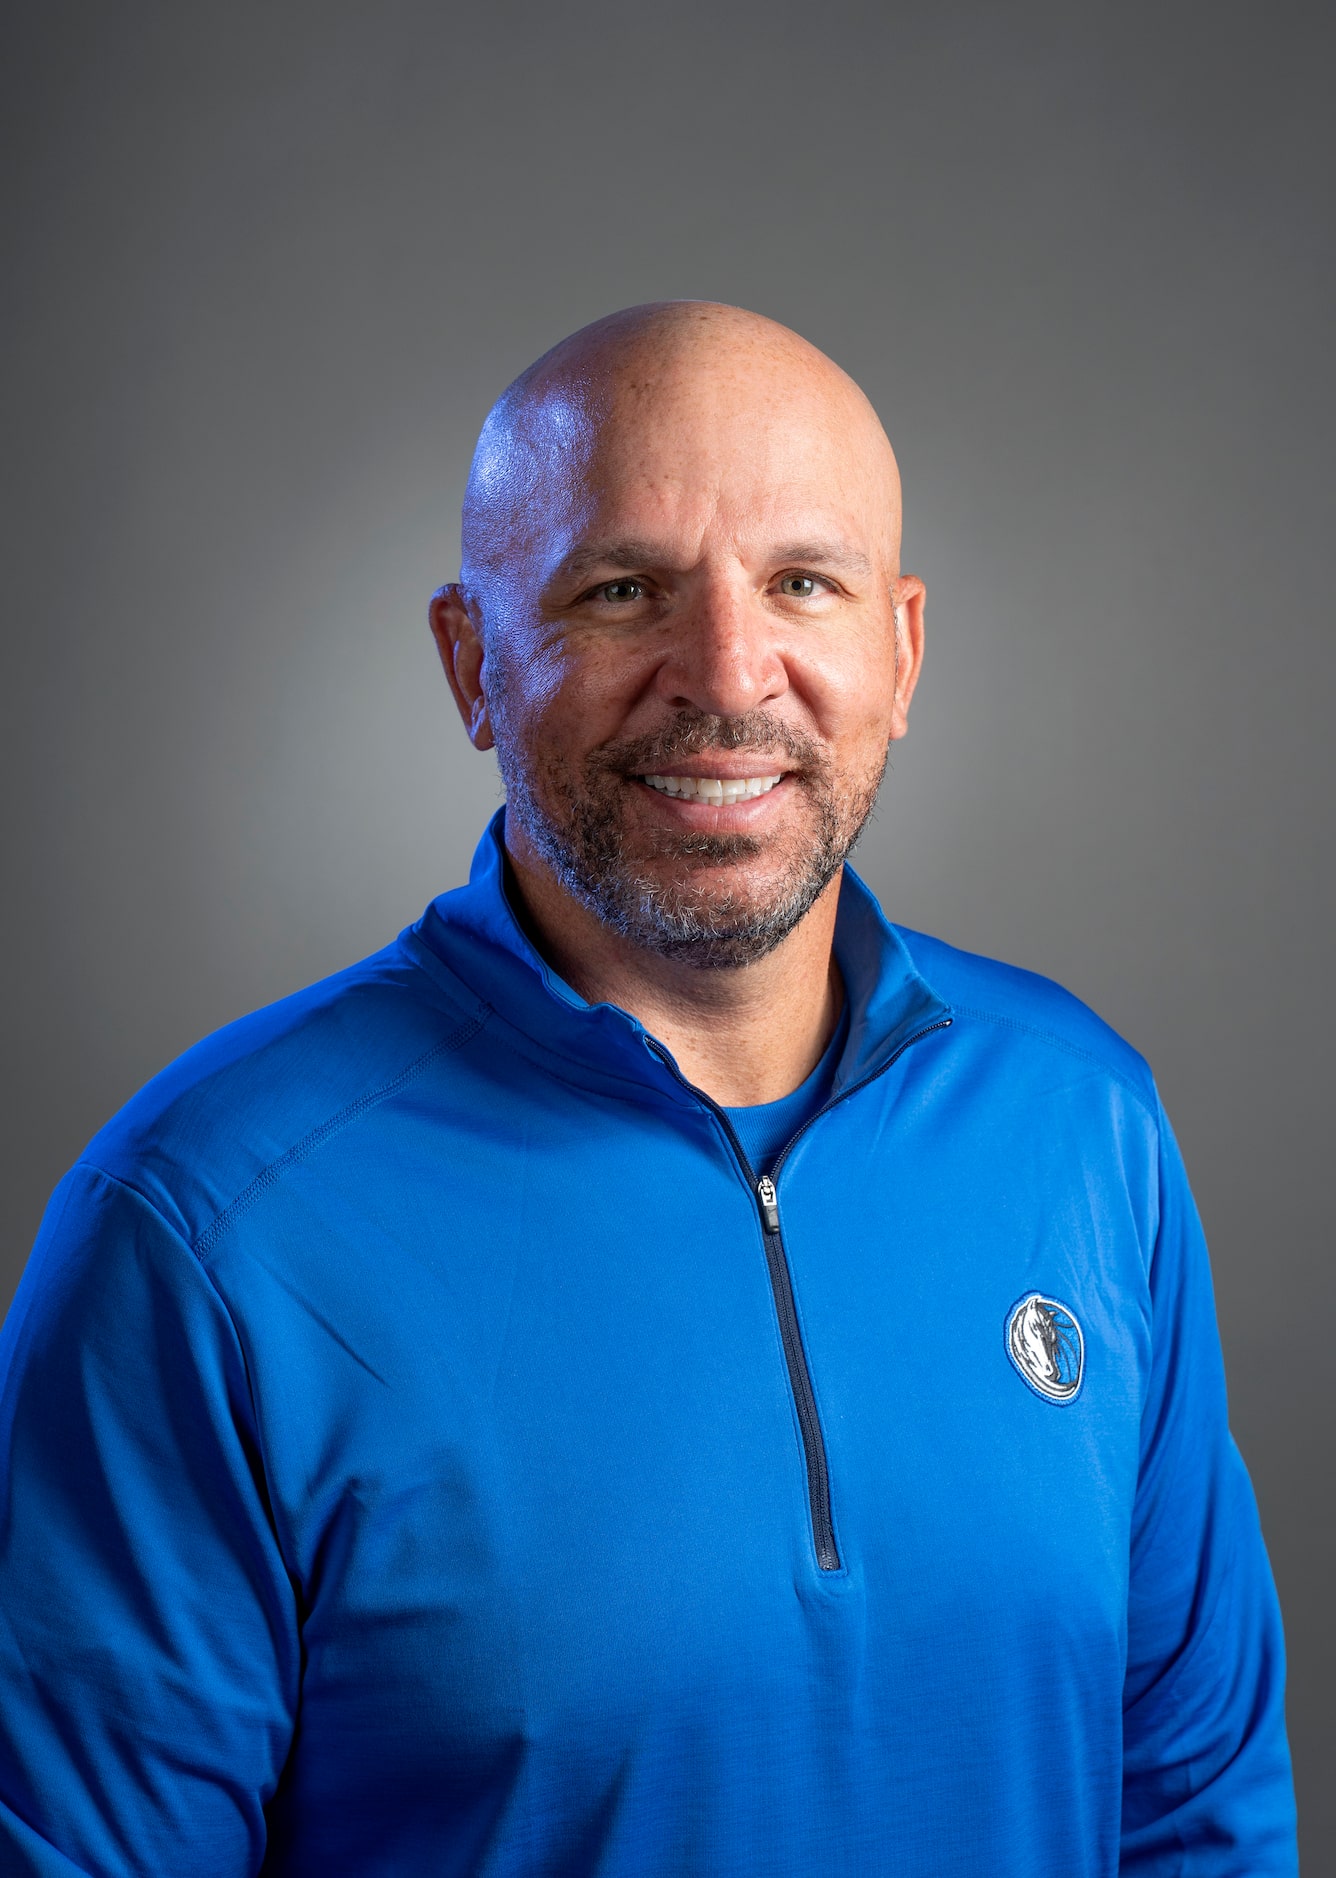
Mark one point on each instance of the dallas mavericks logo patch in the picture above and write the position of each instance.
(1044, 1341)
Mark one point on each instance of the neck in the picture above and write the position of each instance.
(743, 1034)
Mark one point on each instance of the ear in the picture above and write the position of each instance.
(907, 597)
(458, 634)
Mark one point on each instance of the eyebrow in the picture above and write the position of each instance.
(587, 556)
(826, 554)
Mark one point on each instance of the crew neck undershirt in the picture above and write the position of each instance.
(765, 1128)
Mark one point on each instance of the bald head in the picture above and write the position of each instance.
(660, 395)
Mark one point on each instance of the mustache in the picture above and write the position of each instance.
(690, 733)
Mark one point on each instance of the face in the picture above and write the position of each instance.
(694, 654)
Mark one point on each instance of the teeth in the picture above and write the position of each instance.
(713, 788)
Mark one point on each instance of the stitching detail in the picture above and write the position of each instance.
(1061, 1043)
(174, 1232)
(1056, 1401)
(269, 1176)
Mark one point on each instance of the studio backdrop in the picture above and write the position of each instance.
(268, 266)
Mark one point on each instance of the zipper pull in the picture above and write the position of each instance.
(769, 1199)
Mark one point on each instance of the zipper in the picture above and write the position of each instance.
(800, 1379)
(766, 1193)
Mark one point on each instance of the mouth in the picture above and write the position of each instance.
(718, 791)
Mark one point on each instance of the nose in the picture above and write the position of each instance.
(724, 656)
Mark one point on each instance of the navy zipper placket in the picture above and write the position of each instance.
(766, 1193)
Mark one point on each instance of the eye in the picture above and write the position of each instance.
(797, 586)
(620, 592)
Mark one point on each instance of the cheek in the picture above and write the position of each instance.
(851, 693)
(560, 695)
(523, 677)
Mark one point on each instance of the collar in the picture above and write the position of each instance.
(472, 934)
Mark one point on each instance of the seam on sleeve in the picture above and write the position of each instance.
(127, 1186)
(274, 1172)
(150, 1204)
(1061, 1043)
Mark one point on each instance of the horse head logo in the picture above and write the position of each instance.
(1044, 1342)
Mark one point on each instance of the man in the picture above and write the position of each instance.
(658, 1371)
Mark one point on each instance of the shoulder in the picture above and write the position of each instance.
(257, 1091)
(1035, 1012)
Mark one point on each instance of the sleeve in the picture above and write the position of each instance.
(149, 1654)
(1207, 1791)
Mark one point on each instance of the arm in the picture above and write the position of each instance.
(148, 1638)
(1206, 1785)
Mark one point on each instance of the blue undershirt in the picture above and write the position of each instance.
(765, 1128)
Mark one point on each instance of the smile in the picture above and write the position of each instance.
(713, 788)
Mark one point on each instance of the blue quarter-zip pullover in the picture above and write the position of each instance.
(427, 1453)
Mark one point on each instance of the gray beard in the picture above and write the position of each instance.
(574, 823)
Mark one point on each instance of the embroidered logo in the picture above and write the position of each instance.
(1044, 1341)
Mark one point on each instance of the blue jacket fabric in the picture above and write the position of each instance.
(421, 1456)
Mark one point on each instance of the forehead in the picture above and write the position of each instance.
(745, 454)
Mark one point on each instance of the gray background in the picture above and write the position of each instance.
(268, 267)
